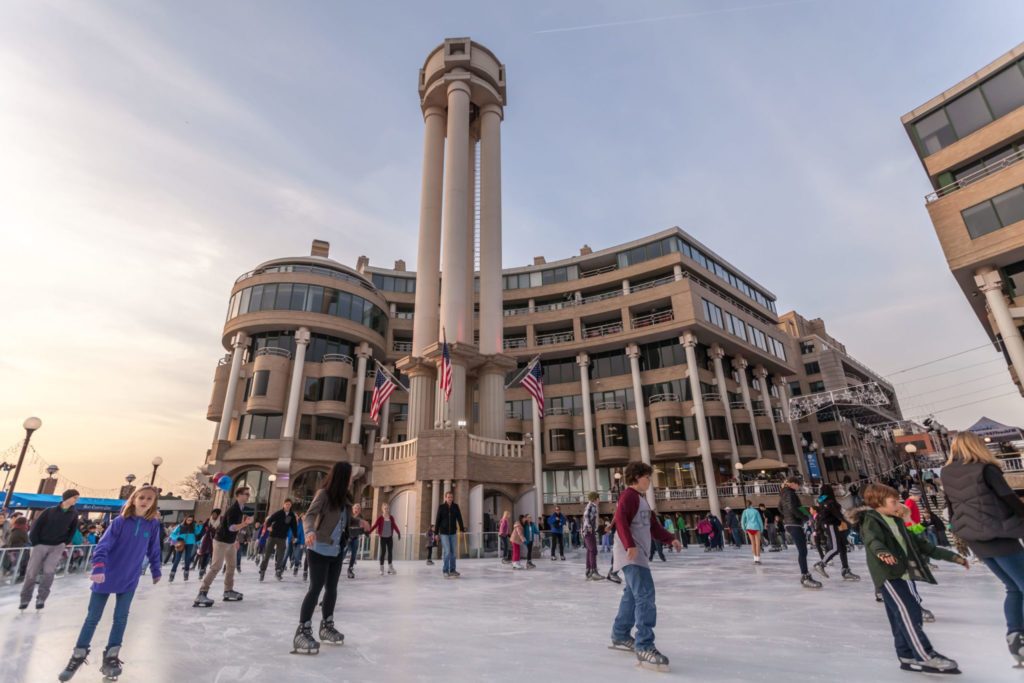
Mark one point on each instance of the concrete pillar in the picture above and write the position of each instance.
(362, 353)
(677, 272)
(447, 485)
(990, 283)
(689, 342)
(741, 365)
(492, 401)
(625, 287)
(422, 389)
(435, 499)
(766, 397)
(723, 390)
(295, 389)
(490, 230)
(633, 351)
(428, 256)
(583, 360)
(538, 459)
(455, 227)
(793, 433)
(238, 344)
(471, 235)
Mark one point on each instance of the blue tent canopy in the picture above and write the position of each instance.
(40, 501)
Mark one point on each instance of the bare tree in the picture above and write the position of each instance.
(196, 486)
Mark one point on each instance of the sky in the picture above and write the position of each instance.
(152, 152)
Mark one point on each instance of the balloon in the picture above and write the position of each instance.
(224, 483)
(217, 477)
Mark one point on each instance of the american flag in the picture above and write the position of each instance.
(446, 369)
(533, 382)
(383, 387)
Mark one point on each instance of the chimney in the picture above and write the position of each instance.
(320, 248)
(400, 265)
(585, 250)
(539, 261)
(361, 263)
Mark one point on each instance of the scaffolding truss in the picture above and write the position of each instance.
(856, 403)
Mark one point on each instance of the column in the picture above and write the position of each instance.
(422, 389)
(689, 342)
(435, 499)
(990, 282)
(238, 344)
(490, 230)
(291, 415)
(801, 462)
(447, 486)
(385, 427)
(455, 227)
(633, 351)
(717, 354)
(741, 365)
(677, 272)
(362, 353)
(766, 397)
(471, 234)
(583, 360)
(538, 460)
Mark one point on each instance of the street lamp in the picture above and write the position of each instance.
(743, 487)
(130, 478)
(156, 462)
(30, 425)
(52, 470)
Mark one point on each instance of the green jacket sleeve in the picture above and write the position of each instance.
(925, 547)
(872, 535)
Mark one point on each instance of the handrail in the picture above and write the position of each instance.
(391, 452)
(663, 398)
(558, 411)
(517, 311)
(711, 396)
(609, 405)
(598, 271)
(961, 183)
(402, 346)
(1015, 464)
(737, 405)
(336, 358)
(13, 561)
(274, 351)
(652, 319)
(555, 338)
(593, 298)
(514, 343)
(653, 283)
(602, 330)
(498, 448)
(400, 417)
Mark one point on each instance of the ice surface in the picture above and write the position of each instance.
(720, 618)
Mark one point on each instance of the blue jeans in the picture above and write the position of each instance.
(448, 547)
(97, 603)
(636, 607)
(1010, 570)
(187, 554)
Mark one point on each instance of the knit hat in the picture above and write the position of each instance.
(70, 493)
(914, 491)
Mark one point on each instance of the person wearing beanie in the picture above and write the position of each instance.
(50, 533)
(913, 504)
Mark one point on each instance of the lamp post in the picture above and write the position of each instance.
(743, 487)
(156, 462)
(6, 468)
(127, 489)
(30, 425)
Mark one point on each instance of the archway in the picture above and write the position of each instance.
(258, 481)
(305, 486)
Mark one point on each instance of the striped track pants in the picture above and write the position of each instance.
(904, 612)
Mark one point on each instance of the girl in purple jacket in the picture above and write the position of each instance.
(132, 536)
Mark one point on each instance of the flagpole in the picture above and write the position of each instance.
(538, 464)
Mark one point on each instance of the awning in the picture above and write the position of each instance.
(41, 501)
(764, 464)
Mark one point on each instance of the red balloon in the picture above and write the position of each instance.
(217, 477)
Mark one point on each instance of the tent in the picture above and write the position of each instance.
(996, 431)
(41, 501)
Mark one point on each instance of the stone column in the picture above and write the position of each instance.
(455, 220)
(490, 231)
(422, 389)
(538, 459)
(633, 351)
(689, 342)
(362, 353)
(741, 365)
(583, 360)
(471, 235)
(385, 415)
(723, 390)
(435, 499)
(801, 462)
(766, 397)
(238, 344)
(291, 411)
(677, 272)
(990, 283)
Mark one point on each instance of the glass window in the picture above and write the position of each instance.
(613, 435)
(717, 428)
(968, 113)
(934, 132)
(981, 219)
(1010, 206)
(744, 436)
(311, 390)
(812, 368)
(560, 439)
(269, 296)
(713, 314)
(328, 429)
(334, 389)
(767, 439)
(298, 300)
(794, 389)
(260, 381)
(817, 387)
(669, 428)
(284, 297)
(830, 439)
(306, 427)
(273, 427)
(1005, 91)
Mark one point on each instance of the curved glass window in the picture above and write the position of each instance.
(305, 486)
(259, 484)
(307, 268)
(311, 299)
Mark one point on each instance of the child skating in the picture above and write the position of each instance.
(131, 537)
(635, 527)
(516, 539)
(895, 558)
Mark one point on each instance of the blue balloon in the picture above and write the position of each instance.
(225, 483)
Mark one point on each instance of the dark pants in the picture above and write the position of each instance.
(904, 612)
(529, 552)
(557, 539)
(837, 540)
(796, 532)
(657, 547)
(387, 545)
(430, 552)
(684, 538)
(239, 554)
(278, 546)
(737, 536)
(506, 549)
(590, 541)
(97, 603)
(352, 548)
(178, 554)
(324, 572)
(1010, 570)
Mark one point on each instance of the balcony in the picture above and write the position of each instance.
(602, 330)
(514, 343)
(402, 346)
(604, 296)
(652, 319)
(737, 405)
(336, 358)
(557, 411)
(517, 311)
(274, 351)
(652, 284)
(711, 396)
(992, 169)
(609, 405)
(597, 271)
(663, 398)
(401, 417)
(555, 338)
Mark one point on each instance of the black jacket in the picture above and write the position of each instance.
(830, 513)
(448, 518)
(789, 508)
(54, 526)
(281, 522)
(233, 517)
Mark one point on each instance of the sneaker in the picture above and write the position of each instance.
(927, 616)
(820, 568)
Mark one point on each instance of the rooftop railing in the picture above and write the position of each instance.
(974, 177)
(336, 358)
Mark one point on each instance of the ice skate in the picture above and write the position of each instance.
(1015, 641)
(23, 605)
(596, 576)
(263, 575)
(652, 659)
(202, 600)
(562, 558)
(757, 560)
(112, 665)
(279, 575)
(382, 570)
(820, 568)
(614, 577)
(78, 658)
(232, 596)
(40, 604)
(849, 576)
(329, 634)
(351, 574)
(936, 664)
(808, 581)
(295, 570)
(304, 643)
(430, 563)
(454, 574)
(305, 574)
(391, 570)
(185, 577)
(626, 644)
(927, 616)
(530, 565)
(170, 578)
(517, 565)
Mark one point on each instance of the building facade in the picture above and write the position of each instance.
(970, 140)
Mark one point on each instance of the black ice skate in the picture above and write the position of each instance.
(820, 568)
(849, 576)
(329, 634)
(530, 565)
(304, 643)
(614, 577)
(78, 658)
(23, 605)
(1015, 641)
(40, 604)
(927, 616)
(295, 570)
(627, 644)
(652, 659)
(279, 575)
(186, 576)
(170, 578)
(936, 664)
(430, 563)
(351, 574)
(202, 600)
(263, 575)
(808, 581)
(232, 596)
(112, 666)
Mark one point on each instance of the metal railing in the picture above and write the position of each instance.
(397, 451)
(602, 330)
(404, 315)
(1015, 464)
(555, 338)
(401, 417)
(336, 358)
(558, 411)
(652, 319)
(609, 405)
(663, 398)
(757, 488)
(554, 306)
(226, 360)
(737, 405)
(498, 448)
(517, 311)
(598, 271)
(974, 177)
(13, 562)
(302, 268)
(274, 351)
(515, 343)
(653, 283)
(711, 396)
(402, 346)
(604, 296)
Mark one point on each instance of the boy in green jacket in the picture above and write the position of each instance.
(895, 558)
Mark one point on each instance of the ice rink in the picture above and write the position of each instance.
(720, 618)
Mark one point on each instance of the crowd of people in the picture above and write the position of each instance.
(895, 520)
